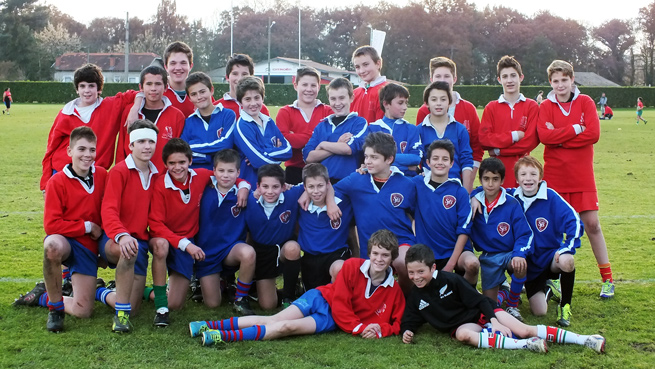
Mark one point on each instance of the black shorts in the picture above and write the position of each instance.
(539, 283)
(7, 103)
(315, 269)
(267, 265)
(293, 175)
(441, 263)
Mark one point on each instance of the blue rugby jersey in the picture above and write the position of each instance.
(458, 135)
(409, 150)
(222, 223)
(317, 234)
(279, 227)
(205, 138)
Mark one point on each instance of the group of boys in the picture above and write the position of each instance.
(188, 201)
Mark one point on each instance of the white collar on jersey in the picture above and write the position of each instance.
(318, 209)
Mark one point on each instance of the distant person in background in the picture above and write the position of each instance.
(602, 102)
(608, 113)
(540, 97)
(6, 97)
(640, 110)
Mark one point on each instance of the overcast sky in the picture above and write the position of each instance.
(587, 12)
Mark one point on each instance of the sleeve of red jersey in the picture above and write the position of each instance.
(123, 100)
(393, 326)
(157, 216)
(285, 124)
(55, 137)
(530, 140)
(474, 126)
(489, 138)
(421, 114)
(111, 204)
(342, 307)
(556, 136)
(591, 134)
(54, 219)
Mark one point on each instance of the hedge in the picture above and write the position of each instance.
(280, 94)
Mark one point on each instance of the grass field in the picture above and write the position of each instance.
(626, 183)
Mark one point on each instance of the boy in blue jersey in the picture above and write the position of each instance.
(382, 198)
(271, 220)
(502, 234)
(557, 230)
(210, 128)
(257, 137)
(337, 140)
(222, 234)
(443, 214)
(322, 240)
(409, 150)
(438, 125)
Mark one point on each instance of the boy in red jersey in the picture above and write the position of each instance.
(103, 115)
(173, 221)
(444, 69)
(368, 64)
(298, 120)
(569, 127)
(364, 301)
(238, 66)
(640, 111)
(72, 223)
(156, 108)
(509, 125)
(125, 218)
(178, 62)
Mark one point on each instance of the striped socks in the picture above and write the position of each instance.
(254, 333)
(515, 288)
(224, 325)
(606, 272)
(101, 294)
(242, 289)
(495, 340)
(127, 308)
(558, 335)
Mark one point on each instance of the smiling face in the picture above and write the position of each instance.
(366, 68)
(88, 93)
(380, 260)
(201, 96)
(419, 273)
(270, 188)
(340, 101)
(252, 102)
(153, 87)
(238, 71)
(226, 175)
(562, 85)
(528, 178)
(443, 74)
(177, 165)
(83, 154)
(511, 80)
(397, 108)
(178, 68)
(438, 102)
(439, 163)
(307, 87)
(316, 187)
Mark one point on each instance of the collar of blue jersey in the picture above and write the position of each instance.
(387, 282)
(501, 99)
(426, 121)
(280, 200)
(129, 161)
(394, 171)
(350, 115)
(215, 184)
(168, 180)
(542, 192)
(217, 109)
(245, 116)
(318, 209)
(375, 82)
(69, 108)
(501, 200)
(428, 177)
(179, 99)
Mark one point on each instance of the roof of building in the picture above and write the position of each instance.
(107, 61)
(592, 79)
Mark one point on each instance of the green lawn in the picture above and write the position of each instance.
(624, 173)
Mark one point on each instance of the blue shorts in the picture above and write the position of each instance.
(141, 263)
(180, 262)
(312, 304)
(81, 260)
(213, 262)
(493, 267)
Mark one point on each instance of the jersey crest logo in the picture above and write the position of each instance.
(467, 125)
(167, 133)
(443, 293)
(274, 141)
(449, 201)
(397, 199)
(503, 229)
(219, 132)
(335, 224)
(403, 146)
(541, 224)
(236, 211)
(285, 216)
(381, 309)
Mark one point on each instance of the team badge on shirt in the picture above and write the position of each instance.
(443, 293)
(381, 309)
(467, 125)
(167, 133)
(541, 224)
(503, 228)
(335, 224)
(219, 132)
(403, 146)
(397, 199)
(274, 141)
(236, 211)
(449, 201)
(285, 216)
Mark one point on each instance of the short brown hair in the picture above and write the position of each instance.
(198, 77)
(308, 71)
(338, 83)
(176, 145)
(529, 161)
(142, 123)
(508, 62)
(178, 47)
(420, 253)
(442, 61)
(82, 132)
(390, 92)
(250, 83)
(312, 170)
(370, 51)
(240, 59)
(89, 73)
(438, 85)
(385, 239)
(560, 66)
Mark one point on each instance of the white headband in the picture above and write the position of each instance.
(143, 133)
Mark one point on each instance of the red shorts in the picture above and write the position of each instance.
(581, 201)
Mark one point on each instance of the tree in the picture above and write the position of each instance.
(167, 24)
(647, 23)
(19, 19)
(617, 37)
(52, 42)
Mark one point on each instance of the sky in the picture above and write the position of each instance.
(588, 12)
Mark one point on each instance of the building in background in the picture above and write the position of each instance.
(112, 64)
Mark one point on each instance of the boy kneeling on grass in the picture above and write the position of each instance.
(450, 304)
(365, 300)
